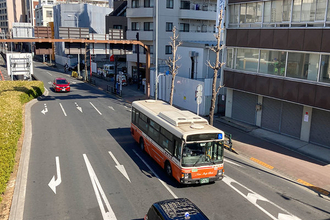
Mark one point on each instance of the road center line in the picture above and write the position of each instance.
(63, 109)
(110, 215)
(162, 182)
(96, 108)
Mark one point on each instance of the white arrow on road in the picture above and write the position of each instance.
(106, 210)
(44, 110)
(121, 168)
(79, 108)
(111, 108)
(54, 183)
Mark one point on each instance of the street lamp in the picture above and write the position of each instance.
(78, 65)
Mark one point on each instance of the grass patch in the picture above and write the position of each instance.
(13, 96)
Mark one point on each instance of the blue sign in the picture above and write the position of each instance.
(220, 136)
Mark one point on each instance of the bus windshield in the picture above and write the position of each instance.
(200, 153)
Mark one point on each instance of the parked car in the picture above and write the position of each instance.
(181, 208)
(61, 85)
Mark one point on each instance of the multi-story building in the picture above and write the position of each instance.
(10, 11)
(195, 21)
(44, 13)
(277, 70)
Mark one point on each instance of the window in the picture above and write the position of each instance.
(247, 59)
(286, 10)
(320, 9)
(117, 27)
(49, 14)
(143, 123)
(185, 5)
(234, 14)
(168, 49)
(135, 3)
(148, 3)
(308, 10)
(148, 26)
(272, 62)
(153, 131)
(184, 27)
(242, 14)
(135, 26)
(169, 3)
(303, 66)
(325, 69)
(169, 26)
(229, 58)
(296, 11)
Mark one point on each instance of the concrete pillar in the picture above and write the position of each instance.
(306, 123)
(229, 102)
(259, 111)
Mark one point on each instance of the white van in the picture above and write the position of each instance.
(109, 70)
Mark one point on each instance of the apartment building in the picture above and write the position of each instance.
(10, 12)
(44, 13)
(195, 21)
(277, 66)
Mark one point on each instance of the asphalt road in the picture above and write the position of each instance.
(84, 164)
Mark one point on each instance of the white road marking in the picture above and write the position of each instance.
(162, 182)
(54, 183)
(96, 108)
(79, 108)
(99, 193)
(111, 108)
(63, 109)
(49, 73)
(254, 197)
(229, 161)
(44, 110)
(121, 168)
(49, 83)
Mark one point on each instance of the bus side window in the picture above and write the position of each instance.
(143, 123)
(137, 113)
(133, 115)
(177, 148)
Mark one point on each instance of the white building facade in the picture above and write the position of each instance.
(195, 23)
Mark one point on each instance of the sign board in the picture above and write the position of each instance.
(20, 64)
(73, 33)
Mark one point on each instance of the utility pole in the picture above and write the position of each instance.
(138, 59)
(156, 69)
(85, 61)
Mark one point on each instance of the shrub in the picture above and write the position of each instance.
(13, 96)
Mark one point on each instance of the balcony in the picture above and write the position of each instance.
(140, 12)
(143, 35)
(197, 36)
(198, 15)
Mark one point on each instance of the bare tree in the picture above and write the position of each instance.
(216, 67)
(171, 61)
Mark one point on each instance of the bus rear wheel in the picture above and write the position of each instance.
(168, 168)
(142, 144)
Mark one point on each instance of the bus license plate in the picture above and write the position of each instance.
(205, 180)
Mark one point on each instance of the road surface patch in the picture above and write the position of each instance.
(262, 163)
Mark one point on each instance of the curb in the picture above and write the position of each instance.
(316, 189)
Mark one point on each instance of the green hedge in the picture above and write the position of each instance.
(13, 96)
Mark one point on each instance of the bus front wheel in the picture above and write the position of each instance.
(142, 144)
(168, 168)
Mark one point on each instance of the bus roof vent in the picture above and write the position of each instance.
(197, 126)
(182, 117)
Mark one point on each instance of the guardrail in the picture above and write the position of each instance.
(228, 142)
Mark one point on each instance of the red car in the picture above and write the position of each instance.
(61, 85)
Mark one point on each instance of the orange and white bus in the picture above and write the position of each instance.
(182, 143)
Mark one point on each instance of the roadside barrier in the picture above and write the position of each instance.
(74, 74)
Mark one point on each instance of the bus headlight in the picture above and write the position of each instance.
(186, 175)
(220, 172)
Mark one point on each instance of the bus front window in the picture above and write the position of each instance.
(202, 153)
